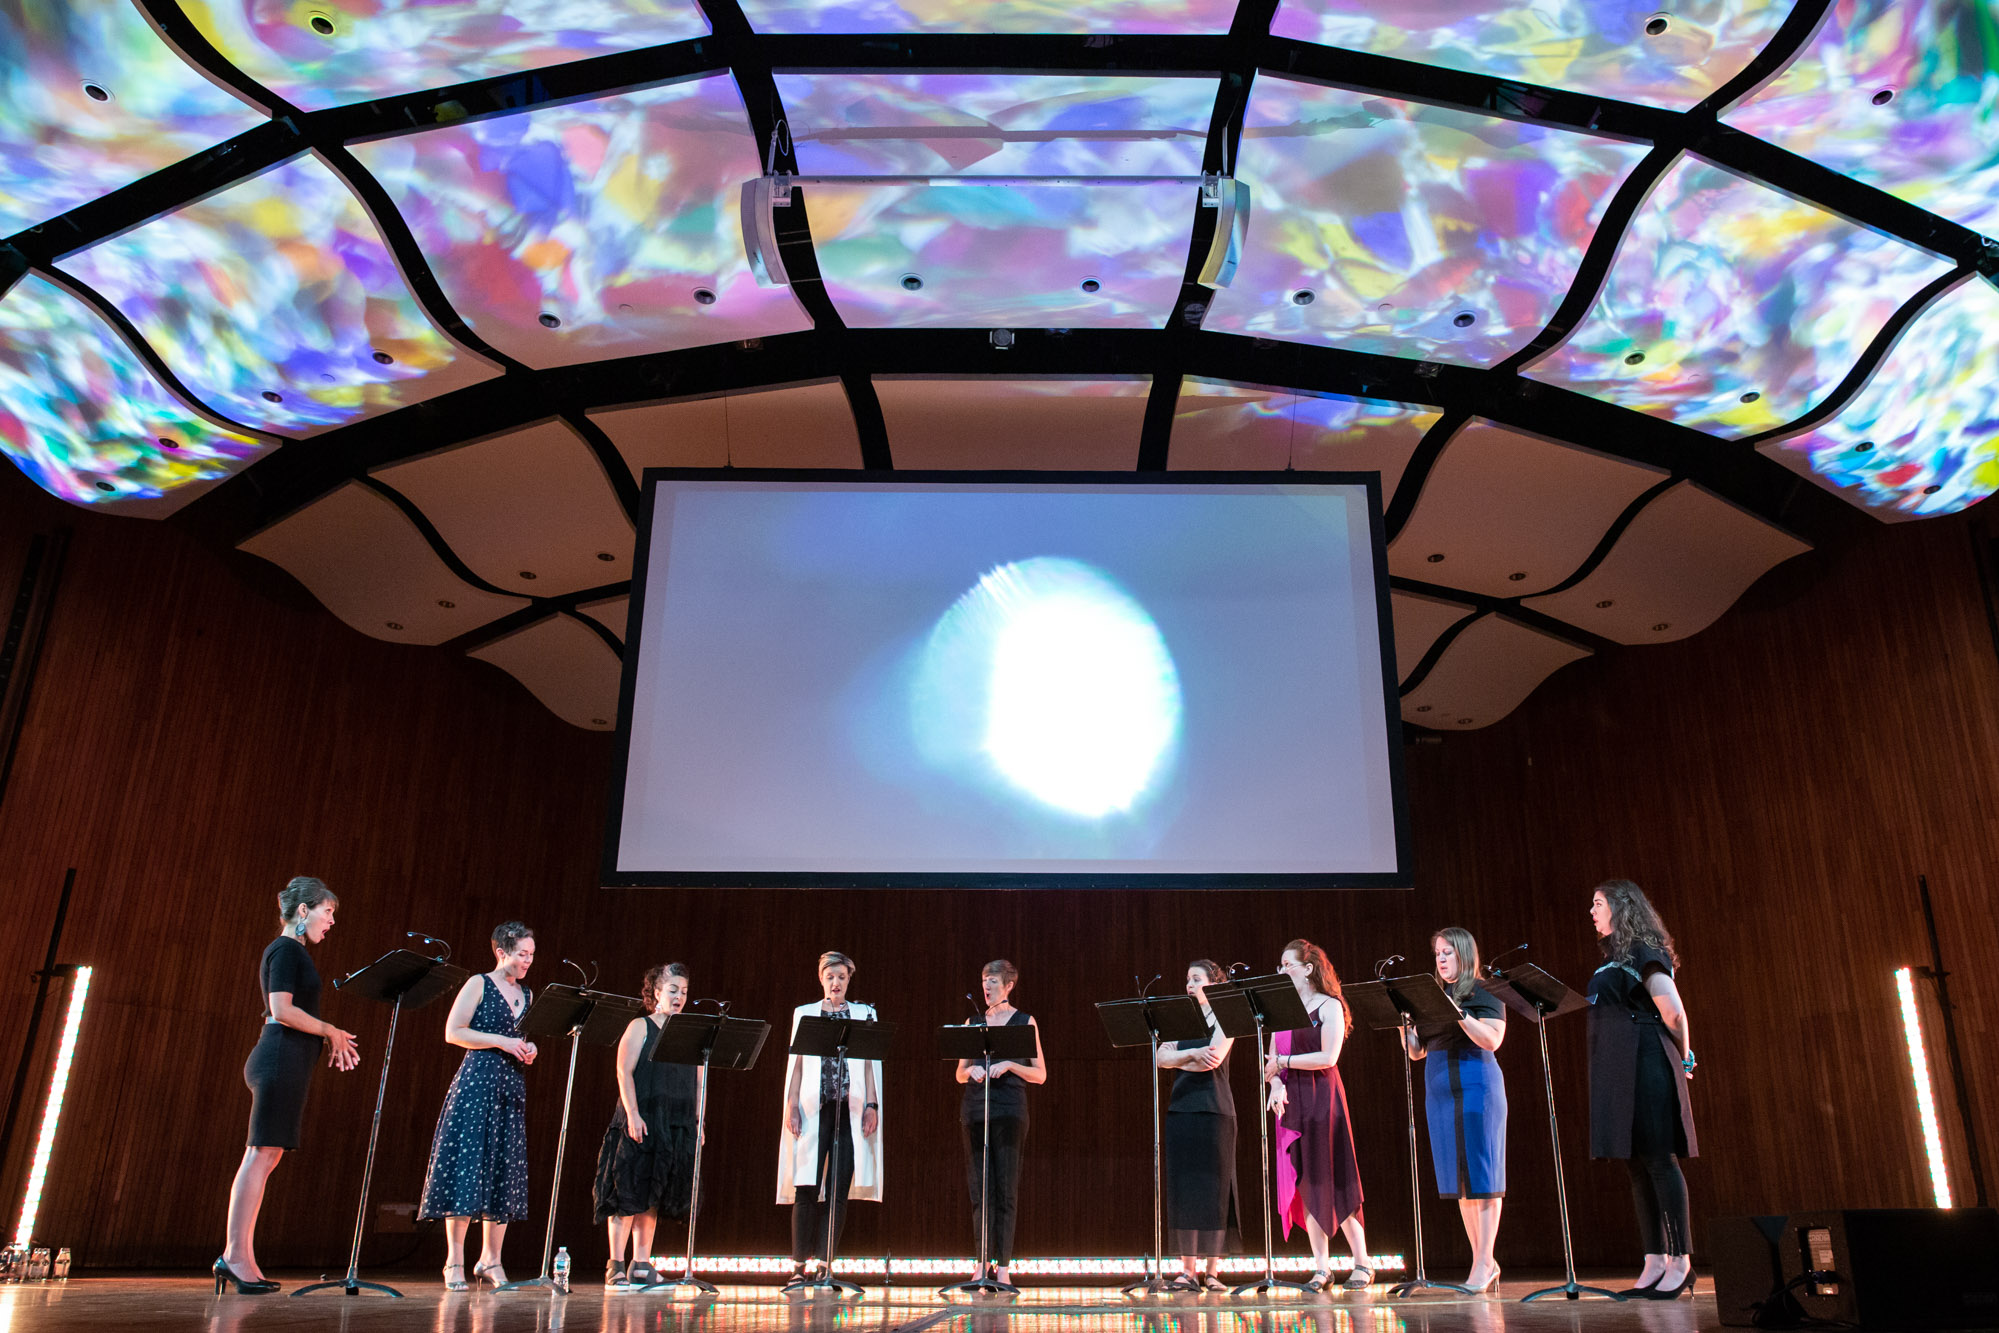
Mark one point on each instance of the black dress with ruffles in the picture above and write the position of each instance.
(654, 1174)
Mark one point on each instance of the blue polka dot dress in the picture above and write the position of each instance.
(478, 1160)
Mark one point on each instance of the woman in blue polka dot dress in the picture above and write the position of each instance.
(478, 1159)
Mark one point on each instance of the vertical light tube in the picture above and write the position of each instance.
(1919, 1069)
(31, 1201)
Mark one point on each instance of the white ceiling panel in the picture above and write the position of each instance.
(1506, 514)
(1040, 423)
(530, 510)
(798, 425)
(612, 613)
(1683, 561)
(1419, 621)
(1220, 425)
(682, 432)
(565, 664)
(1485, 674)
(368, 564)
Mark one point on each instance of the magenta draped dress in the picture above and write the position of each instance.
(1317, 1173)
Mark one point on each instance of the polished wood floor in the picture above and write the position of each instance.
(190, 1304)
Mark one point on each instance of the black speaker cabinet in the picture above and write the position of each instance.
(1876, 1268)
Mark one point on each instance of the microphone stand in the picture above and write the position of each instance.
(985, 1281)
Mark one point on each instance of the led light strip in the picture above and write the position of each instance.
(31, 1201)
(1919, 1070)
(1105, 1267)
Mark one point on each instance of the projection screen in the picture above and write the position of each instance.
(1009, 680)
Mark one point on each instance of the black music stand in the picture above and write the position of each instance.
(400, 979)
(585, 1015)
(982, 1042)
(840, 1039)
(709, 1041)
(1399, 1004)
(1270, 1004)
(1147, 1021)
(1530, 991)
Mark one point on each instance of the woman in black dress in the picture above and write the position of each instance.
(280, 1067)
(1006, 1130)
(1640, 1058)
(1201, 1217)
(478, 1157)
(646, 1166)
(1465, 1100)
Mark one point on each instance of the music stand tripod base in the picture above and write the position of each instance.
(1263, 1284)
(1574, 1291)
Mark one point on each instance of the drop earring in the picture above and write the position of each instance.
(298, 929)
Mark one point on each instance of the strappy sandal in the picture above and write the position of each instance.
(460, 1284)
(1183, 1282)
(1360, 1279)
(492, 1273)
(1320, 1280)
(1210, 1282)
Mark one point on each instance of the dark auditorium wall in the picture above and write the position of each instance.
(200, 730)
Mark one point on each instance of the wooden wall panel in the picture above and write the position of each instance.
(200, 733)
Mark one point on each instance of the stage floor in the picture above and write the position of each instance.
(190, 1304)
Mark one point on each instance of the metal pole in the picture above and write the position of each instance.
(1419, 1279)
(352, 1284)
(555, 1189)
(687, 1278)
(1570, 1289)
(1270, 1280)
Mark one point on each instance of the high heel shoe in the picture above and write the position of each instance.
(459, 1283)
(224, 1275)
(1360, 1279)
(492, 1273)
(1642, 1292)
(1491, 1284)
(1661, 1292)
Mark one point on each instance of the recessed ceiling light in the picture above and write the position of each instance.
(1435, 558)
(549, 321)
(527, 573)
(605, 555)
(1604, 605)
(1931, 489)
(383, 359)
(1422, 708)
(106, 486)
(702, 296)
(1091, 286)
(1304, 297)
(447, 605)
(624, 308)
(1515, 578)
(1386, 305)
(1464, 721)
(96, 92)
(1751, 396)
(600, 721)
(166, 443)
(1865, 446)
(1464, 319)
(1657, 25)
(273, 396)
(394, 624)
(912, 283)
(1661, 627)
(1634, 358)
(1884, 97)
(321, 25)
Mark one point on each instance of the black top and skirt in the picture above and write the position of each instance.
(656, 1174)
(1007, 1133)
(1639, 1108)
(479, 1155)
(1201, 1214)
(1465, 1104)
(280, 1066)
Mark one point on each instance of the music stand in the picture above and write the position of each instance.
(1147, 1021)
(1530, 991)
(709, 1041)
(1260, 1006)
(400, 979)
(840, 1039)
(1399, 1004)
(585, 1015)
(981, 1042)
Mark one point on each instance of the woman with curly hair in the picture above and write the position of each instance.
(645, 1168)
(1640, 1058)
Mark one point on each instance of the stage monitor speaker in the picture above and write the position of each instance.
(1871, 1268)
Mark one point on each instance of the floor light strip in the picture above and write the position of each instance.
(1919, 1069)
(31, 1201)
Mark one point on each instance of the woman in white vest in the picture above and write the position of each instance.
(826, 1106)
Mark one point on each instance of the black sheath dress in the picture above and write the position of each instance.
(280, 1065)
(1201, 1207)
(1634, 1065)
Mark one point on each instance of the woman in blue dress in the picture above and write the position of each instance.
(1465, 1100)
(478, 1159)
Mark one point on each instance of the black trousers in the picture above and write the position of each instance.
(1003, 1169)
(1658, 1189)
(808, 1207)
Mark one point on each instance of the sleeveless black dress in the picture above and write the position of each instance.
(655, 1175)
(479, 1156)
(1007, 1133)
(280, 1066)
(1200, 1141)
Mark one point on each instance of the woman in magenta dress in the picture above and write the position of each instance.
(1318, 1180)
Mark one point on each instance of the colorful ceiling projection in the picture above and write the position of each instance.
(1722, 244)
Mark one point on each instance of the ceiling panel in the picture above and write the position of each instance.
(1506, 514)
(846, 124)
(1488, 671)
(91, 100)
(1683, 561)
(1898, 94)
(1420, 621)
(278, 304)
(321, 53)
(611, 613)
(686, 432)
(1218, 424)
(1733, 308)
(796, 425)
(528, 511)
(1409, 230)
(87, 421)
(565, 664)
(1921, 438)
(593, 229)
(369, 565)
(1611, 50)
(1040, 423)
(1103, 16)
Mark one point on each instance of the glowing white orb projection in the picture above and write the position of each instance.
(1059, 680)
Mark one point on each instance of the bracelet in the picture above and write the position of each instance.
(1688, 1062)
(1283, 1062)
(872, 1106)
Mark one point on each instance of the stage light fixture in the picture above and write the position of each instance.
(31, 1200)
(750, 1265)
(1919, 1070)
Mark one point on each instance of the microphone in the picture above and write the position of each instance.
(589, 978)
(428, 939)
(978, 1010)
(1381, 968)
(1143, 990)
(1492, 968)
(1237, 969)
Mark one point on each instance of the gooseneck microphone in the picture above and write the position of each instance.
(978, 1010)
(428, 939)
(1381, 968)
(1492, 968)
(1237, 969)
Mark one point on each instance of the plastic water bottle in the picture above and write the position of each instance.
(62, 1264)
(562, 1269)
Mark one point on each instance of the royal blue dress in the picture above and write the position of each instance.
(479, 1157)
(1465, 1104)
